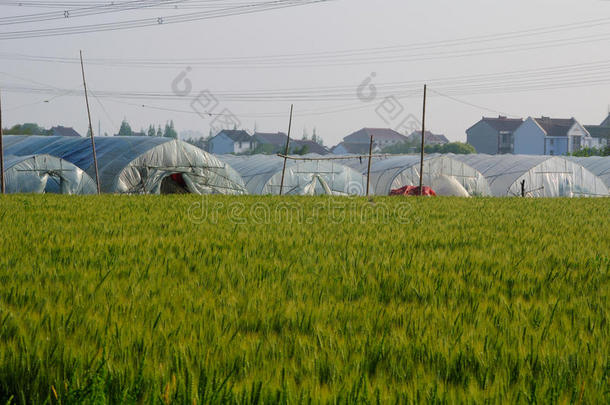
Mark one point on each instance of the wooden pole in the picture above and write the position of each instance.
(368, 172)
(423, 137)
(286, 150)
(2, 186)
(97, 176)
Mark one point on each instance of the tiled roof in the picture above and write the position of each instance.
(236, 135)
(379, 135)
(598, 131)
(278, 139)
(312, 147)
(64, 131)
(353, 148)
(556, 126)
(430, 137)
(503, 124)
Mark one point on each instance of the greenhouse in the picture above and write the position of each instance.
(263, 175)
(537, 176)
(138, 165)
(598, 165)
(445, 175)
(45, 174)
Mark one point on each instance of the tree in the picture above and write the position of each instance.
(586, 152)
(305, 134)
(317, 138)
(303, 150)
(170, 131)
(159, 131)
(125, 129)
(151, 131)
(27, 129)
(458, 148)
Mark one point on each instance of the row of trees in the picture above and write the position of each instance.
(586, 152)
(27, 129)
(458, 148)
(168, 132)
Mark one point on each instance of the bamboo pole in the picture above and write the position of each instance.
(286, 150)
(97, 176)
(423, 136)
(368, 172)
(2, 185)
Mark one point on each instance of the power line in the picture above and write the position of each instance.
(164, 20)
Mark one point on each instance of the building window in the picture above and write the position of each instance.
(552, 142)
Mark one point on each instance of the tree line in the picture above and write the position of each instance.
(168, 132)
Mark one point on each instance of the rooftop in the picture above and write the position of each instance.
(378, 134)
(503, 124)
(556, 126)
(236, 135)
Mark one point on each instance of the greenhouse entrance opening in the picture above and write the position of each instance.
(55, 183)
(174, 184)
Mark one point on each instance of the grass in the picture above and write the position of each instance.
(123, 299)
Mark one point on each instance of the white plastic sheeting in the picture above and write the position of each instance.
(45, 174)
(138, 165)
(445, 175)
(598, 165)
(544, 176)
(262, 175)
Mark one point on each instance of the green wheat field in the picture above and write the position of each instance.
(189, 300)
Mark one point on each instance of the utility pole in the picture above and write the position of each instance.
(423, 137)
(97, 175)
(368, 172)
(286, 150)
(2, 186)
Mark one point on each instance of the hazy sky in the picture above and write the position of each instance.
(562, 70)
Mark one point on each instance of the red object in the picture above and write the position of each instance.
(413, 191)
(177, 177)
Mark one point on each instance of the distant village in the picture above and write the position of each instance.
(490, 135)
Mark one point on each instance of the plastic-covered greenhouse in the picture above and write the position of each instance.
(263, 175)
(138, 165)
(445, 175)
(45, 174)
(598, 165)
(544, 176)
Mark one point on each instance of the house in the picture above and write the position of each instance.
(276, 143)
(309, 146)
(348, 148)
(64, 131)
(359, 142)
(231, 141)
(382, 137)
(493, 136)
(429, 139)
(270, 142)
(600, 133)
(550, 136)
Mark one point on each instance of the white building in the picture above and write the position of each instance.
(551, 136)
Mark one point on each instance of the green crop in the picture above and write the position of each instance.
(124, 299)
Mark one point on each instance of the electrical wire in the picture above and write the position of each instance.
(164, 20)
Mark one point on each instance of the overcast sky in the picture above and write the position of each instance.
(561, 71)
